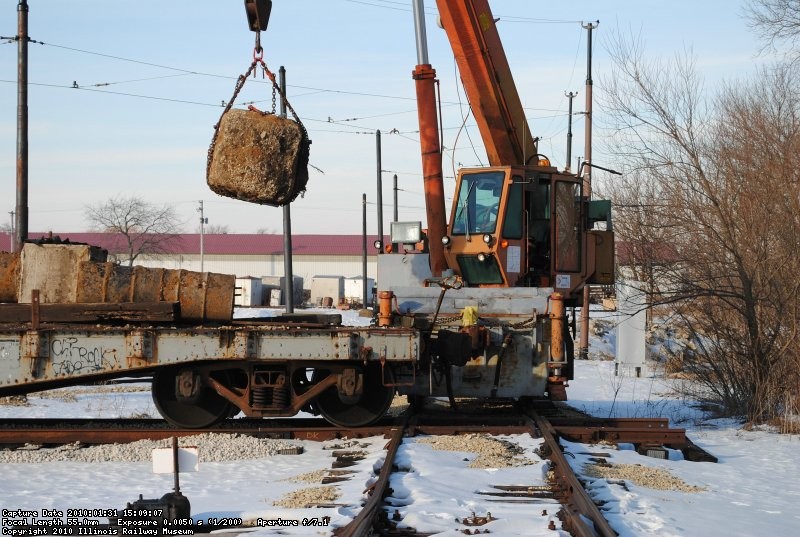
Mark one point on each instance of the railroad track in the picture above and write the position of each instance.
(578, 514)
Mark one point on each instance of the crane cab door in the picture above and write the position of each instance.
(567, 234)
(554, 228)
(565, 252)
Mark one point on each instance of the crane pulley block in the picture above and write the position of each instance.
(258, 12)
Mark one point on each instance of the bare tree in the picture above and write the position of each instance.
(775, 21)
(214, 229)
(143, 228)
(716, 188)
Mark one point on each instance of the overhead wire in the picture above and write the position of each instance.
(396, 6)
(403, 6)
(312, 90)
(464, 120)
(111, 92)
(561, 112)
(101, 84)
(215, 75)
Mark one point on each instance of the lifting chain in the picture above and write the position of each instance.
(445, 320)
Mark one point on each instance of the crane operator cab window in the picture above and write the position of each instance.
(567, 226)
(478, 203)
(538, 205)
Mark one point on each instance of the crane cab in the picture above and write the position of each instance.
(526, 226)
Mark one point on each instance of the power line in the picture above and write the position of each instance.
(531, 20)
(140, 62)
(366, 130)
(125, 94)
(101, 84)
(311, 90)
(403, 6)
(214, 75)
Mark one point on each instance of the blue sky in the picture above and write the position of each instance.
(152, 75)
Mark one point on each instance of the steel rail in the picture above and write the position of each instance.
(109, 431)
(362, 524)
(576, 501)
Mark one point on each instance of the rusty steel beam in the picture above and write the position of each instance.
(9, 276)
(589, 421)
(91, 312)
(675, 438)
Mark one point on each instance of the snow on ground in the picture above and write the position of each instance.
(754, 490)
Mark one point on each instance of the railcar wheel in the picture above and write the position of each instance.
(185, 401)
(302, 381)
(368, 408)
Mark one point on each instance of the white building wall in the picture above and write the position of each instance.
(305, 266)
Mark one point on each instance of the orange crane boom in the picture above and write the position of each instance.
(488, 83)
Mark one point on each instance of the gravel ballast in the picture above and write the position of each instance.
(213, 448)
(492, 452)
(644, 476)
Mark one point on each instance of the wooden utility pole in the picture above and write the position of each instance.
(288, 276)
(583, 344)
(379, 196)
(22, 124)
(571, 95)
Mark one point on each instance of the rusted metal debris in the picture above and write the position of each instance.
(675, 438)
(91, 313)
(9, 276)
(80, 274)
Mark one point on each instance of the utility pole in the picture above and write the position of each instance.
(395, 198)
(203, 222)
(583, 344)
(380, 190)
(22, 124)
(571, 95)
(13, 242)
(288, 286)
(364, 248)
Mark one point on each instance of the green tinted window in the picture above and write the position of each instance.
(476, 272)
(512, 227)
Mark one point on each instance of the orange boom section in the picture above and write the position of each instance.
(487, 79)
